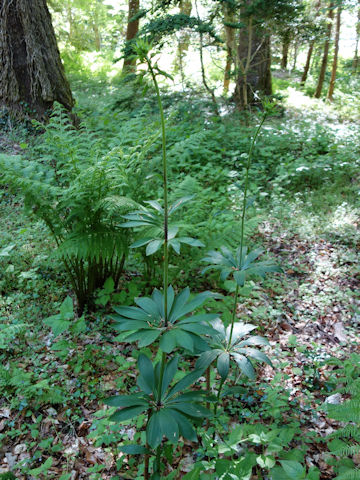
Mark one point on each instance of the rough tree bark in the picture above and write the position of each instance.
(32, 76)
(131, 32)
(229, 18)
(307, 64)
(325, 53)
(335, 59)
(356, 54)
(254, 62)
(185, 8)
(310, 51)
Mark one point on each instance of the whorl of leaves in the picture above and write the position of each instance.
(160, 27)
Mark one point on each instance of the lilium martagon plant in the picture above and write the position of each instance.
(170, 410)
(145, 323)
(152, 218)
(233, 343)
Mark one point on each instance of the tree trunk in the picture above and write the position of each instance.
(95, 26)
(32, 76)
(70, 21)
(296, 51)
(285, 53)
(230, 45)
(254, 62)
(356, 54)
(326, 52)
(131, 32)
(307, 64)
(336, 53)
(184, 40)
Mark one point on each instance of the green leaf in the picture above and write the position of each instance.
(67, 308)
(153, 246)
(161, 423)
(183, 339)
(134, 449)
(245, 365)
(125, 400)
(169, 373)
(144, 337)
(223, 363)
(207, 358)
(57, 324)
(141, 242)
(179, 302)
(146, 370)
(185, 382)
(185, 427)
(191, 409)
(168, 341)
(127, 413)
(109, 285)
(43, 468)
(293, 469)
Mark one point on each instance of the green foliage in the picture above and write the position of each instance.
(76, 190)
(229, 344)
(169, 407)
(346, 440)
(147, 321)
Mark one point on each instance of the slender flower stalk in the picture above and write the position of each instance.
(247, 169)
(166, 252)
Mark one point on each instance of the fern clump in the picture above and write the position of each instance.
(80, 194)
(345, 442)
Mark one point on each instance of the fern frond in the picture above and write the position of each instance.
(9, 332)
(349, 475)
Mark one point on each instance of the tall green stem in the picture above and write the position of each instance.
(247, 169)
(165, 188)
(166, 257)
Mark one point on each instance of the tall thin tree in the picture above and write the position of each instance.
(336, 54)
(325, 56)
(131, 32)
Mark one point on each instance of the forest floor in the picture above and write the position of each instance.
(52, 420)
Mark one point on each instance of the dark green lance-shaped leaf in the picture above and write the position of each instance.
(132, 312)
(184, 339)
(191, 409)
(223, 365)
(134, 449)
(240, 277)
(179, 303)
(168, 341)
(185, 427)
(169, 373)
(126, 325)
(206, 358)
(146, 376)
(148, 305)
(141, 242)
(161, 423)
(245, 365)
(257, 354)
(184, 383)
(144, 337)
(128, 413)
(175, 244)
(255, 340)
(239, 330)
(156, 205)
(190, 241)
(125, 401)
(153, 246)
